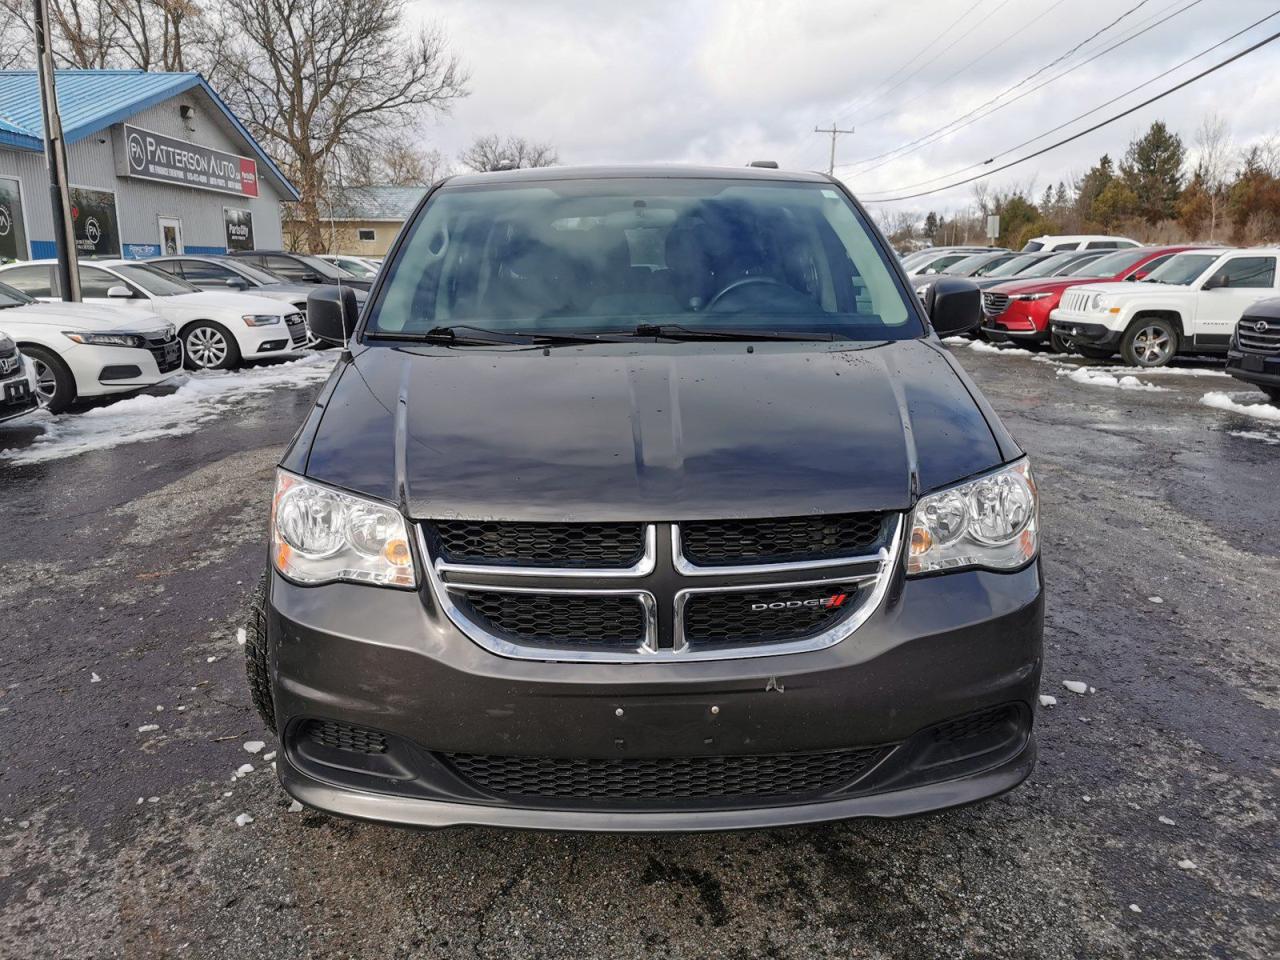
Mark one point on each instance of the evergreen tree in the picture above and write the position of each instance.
(1095, 180)
(931, 225)
(1152, 169)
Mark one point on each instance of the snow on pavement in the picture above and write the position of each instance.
(199, 398)
(1093, 377)
(1258, 408)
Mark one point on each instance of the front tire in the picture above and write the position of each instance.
(55, 386)
(209, 346)
(1149, 342)
(255, 655)
(1061, 344)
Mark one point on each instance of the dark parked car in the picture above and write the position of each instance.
(300, 268)
(1254, 354)
(648, 499)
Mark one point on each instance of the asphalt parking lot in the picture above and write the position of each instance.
(1149, 828)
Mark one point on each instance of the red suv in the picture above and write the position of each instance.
(1019, 309)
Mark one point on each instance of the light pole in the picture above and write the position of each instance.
(55, 155)
(834, 131)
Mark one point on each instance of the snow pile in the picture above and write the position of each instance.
(149, 727)
(1093, 377)
(1222, 401)
(1271, 439)
(1076, 686)
(1167, 371)
(1048, 701)
(1186, 864)
(199, 399)
(243, 819)
(981, 346)
(241, 636)
(254, 746)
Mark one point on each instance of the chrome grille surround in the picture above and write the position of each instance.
(994, 304)
(662, 583)
(1252, 340)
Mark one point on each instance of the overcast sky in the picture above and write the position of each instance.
(727, 81)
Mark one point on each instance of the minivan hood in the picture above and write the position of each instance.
(650, 431)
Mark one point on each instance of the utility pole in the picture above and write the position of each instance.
(55, 155)
(835, 132)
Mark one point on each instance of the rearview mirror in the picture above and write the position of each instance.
(954, 305)
(119, 292)
(332, 314)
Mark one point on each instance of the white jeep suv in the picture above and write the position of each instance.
(1190, 304)
(218, 330)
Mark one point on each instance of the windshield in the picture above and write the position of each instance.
(155, 282)
(255, 273)
(973, 264)
(12, 297)
(604, 256)
(1183, 269)
(1049, 265)
(1015, 266)
(324, 267)
(355, 268)
(1076, 268)
(1112, 265)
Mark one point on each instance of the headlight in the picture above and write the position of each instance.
(106, 339)
(319, 535)
(1030, 296)
(991, 522)
(1098, 302)
(260, 319)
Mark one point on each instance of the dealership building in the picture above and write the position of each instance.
(156, 162)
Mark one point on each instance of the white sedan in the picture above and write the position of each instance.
(81, 350)
(218, 330)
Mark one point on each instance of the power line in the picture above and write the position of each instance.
(973, 115)
(1041, 136)
(1097, 126)
(876, 91)
(975, 26)
(982, 56)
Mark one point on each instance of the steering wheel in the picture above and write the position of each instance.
(738, 284)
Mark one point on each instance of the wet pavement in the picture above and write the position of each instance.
(1148, 829)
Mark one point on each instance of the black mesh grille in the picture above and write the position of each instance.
(975, 724)
(559, 620)
(794, 777)
(342, 736)
(730, 619)
(781, 540)
(576, 545)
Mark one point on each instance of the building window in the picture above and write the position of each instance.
(365, 233)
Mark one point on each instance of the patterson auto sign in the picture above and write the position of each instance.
(154, 156)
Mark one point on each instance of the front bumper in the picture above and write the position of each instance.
(939, 648)
(1089, 334)
(100, 370)
(17, 393)
(1026, 321)
(1255, 368)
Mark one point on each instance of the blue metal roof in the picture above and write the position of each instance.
(93, 100)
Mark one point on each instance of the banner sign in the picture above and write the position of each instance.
(140, 251)
(13, 237)
(96, 228)
(239, 224)
(154, 156)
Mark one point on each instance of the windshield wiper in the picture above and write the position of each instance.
(676, 331)
(481, 336)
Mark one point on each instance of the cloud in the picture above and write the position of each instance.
(727, 81)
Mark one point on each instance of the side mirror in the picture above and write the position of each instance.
(332, 314)
(954, 305)
(1214, 283)
(120, 292)
(237, 283)
(1135, 277)
(310, 277)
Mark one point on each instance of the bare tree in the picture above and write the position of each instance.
(153, 34)
(398, 162)
(16, 43)
(317, 79)
(490, 153)
(1214, 154)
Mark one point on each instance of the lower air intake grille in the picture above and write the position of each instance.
(796, 777)
(712, 543)
(766, 616)
(558, 620)
(568, 545)
(975, 724)
(342, 736)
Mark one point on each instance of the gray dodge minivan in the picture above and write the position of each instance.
(648, 499)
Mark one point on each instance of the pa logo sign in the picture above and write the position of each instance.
(137, 152)
(6, 221)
